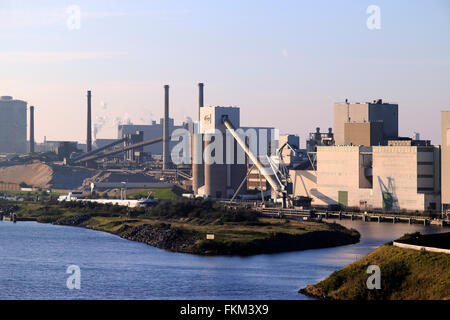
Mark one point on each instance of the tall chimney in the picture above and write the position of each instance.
(166, 151)
(200, 98)
(31, 129)
(89, 125)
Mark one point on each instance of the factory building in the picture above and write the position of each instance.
(134, 154)
(379, 177)
(154, 130)
(99, 143)
(13, 125)
(219, 163)
(445, 158)
(350, 122)
(319, 139)
(256, 181)
(64, 149)
(290, 153)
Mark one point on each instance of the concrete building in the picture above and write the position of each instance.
(224, 162)
(154, 130)
(13, 125)
(379, 177)
(445, 160)
(291, 152)
(377, 111)
(363, 133)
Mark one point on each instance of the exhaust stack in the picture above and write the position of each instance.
(166, 151)
(89, 125)
(31, 150)
(200, 98)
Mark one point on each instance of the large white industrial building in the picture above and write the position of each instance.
(382, 177)
(13, 125)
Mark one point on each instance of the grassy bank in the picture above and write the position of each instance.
(405, 275)
(182, 226)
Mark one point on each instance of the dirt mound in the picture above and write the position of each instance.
(46, 176)
(65, 177)
(36, 174)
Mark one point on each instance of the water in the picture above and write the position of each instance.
(34, 258)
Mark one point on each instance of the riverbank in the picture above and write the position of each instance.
(406, 274)
(182, 226)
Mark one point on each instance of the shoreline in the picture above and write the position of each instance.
(163, 236)
(406, 274)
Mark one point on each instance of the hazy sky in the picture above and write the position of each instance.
(283, 62)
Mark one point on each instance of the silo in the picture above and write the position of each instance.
(215, 173)
(31, 129)
(198, 169)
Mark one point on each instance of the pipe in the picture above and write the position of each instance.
(166, 129)
(81, 158)
(200, 98)
(89, 125)
(31, 129)
(129, 147)
(255, 160)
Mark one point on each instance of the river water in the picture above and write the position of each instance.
(34, 258)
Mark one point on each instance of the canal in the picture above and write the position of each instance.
(34, 258)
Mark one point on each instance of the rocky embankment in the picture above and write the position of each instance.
(162, 236)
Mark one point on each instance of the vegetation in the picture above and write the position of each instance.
(405, 274)
(159, 193)
(236, 230)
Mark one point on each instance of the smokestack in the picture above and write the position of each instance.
(31, 129)
(200, 98)
(89, 125)
(166, 129)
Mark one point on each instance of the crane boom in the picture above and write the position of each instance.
(276, 186)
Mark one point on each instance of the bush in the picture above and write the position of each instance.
(202, 210)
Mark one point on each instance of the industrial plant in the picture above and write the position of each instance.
(361, 163)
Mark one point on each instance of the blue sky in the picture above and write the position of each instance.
(283, 62)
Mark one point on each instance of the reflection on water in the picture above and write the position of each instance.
(34, 258)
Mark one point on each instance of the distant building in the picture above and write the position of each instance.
(151, 131)
(384, 114)
(319, 139)
(445, 160)
(99, 143)
(64, 149)
(13, 125)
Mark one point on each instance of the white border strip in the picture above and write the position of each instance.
(411, 246)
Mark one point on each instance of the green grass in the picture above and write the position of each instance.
(405, 275)
(160, 193)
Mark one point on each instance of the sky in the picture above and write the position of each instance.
(284, 63)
